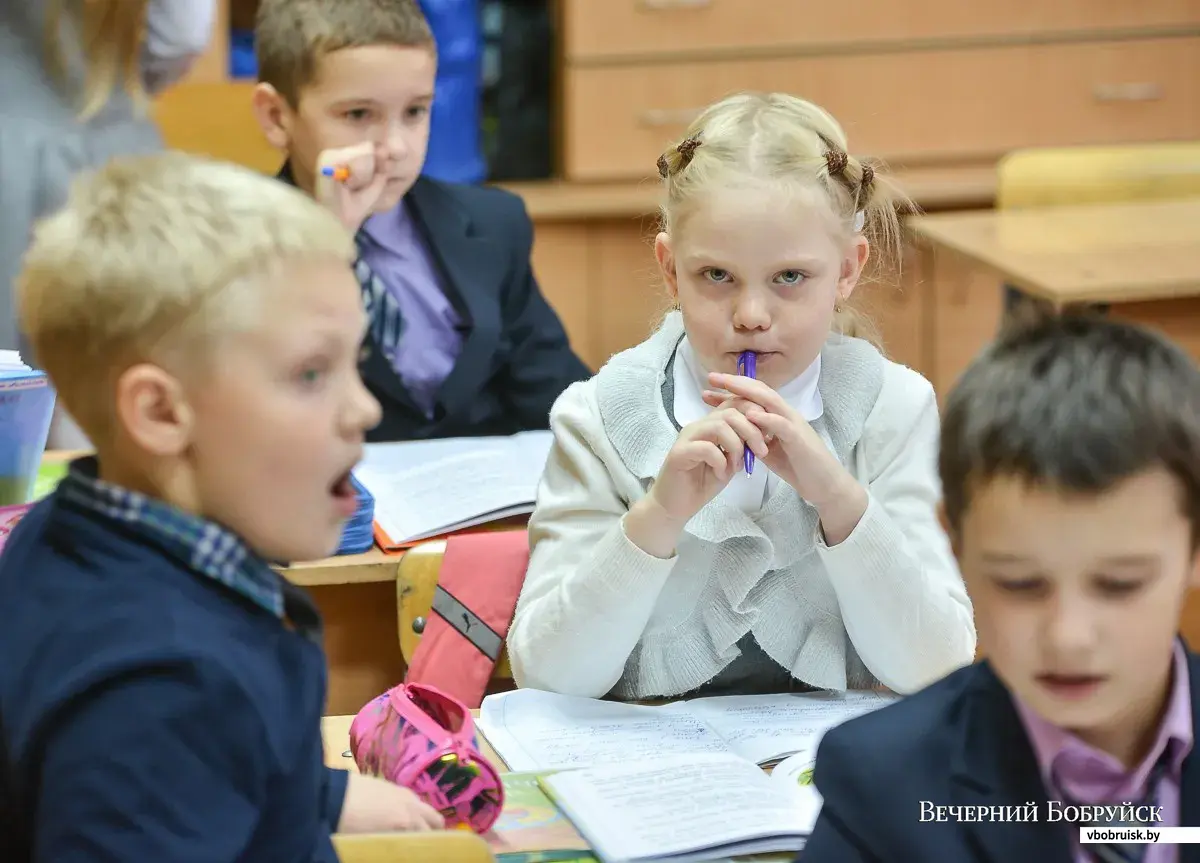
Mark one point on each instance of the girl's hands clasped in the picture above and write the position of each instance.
(795, 452)
(748, 415)
(706, 455)
(698, 466)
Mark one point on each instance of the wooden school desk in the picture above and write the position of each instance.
(1140, 260)
(358, 598)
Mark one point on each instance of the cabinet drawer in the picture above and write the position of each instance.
(909, 109)
(596, 30)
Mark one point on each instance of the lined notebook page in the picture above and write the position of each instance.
(427, 488)
(11, 362)
(766, 728)
(533, 730)
(693, 807)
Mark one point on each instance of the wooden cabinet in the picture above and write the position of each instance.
(919, 82)
(602, 279)
(596, 33)
(908, 108)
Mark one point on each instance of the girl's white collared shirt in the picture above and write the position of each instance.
(746, 492)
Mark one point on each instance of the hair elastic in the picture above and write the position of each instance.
(868, 177)
(686, 150)
(836, 161)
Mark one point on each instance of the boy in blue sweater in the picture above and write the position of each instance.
(161, 686)
(1070, 465)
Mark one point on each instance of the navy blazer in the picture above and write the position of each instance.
(958, 742)
(515, 359)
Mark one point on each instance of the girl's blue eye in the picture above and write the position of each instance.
(791, 277)
(714, 274)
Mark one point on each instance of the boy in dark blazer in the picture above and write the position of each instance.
(462, 342)
(1070, 463)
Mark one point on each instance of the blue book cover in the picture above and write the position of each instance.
(359, 534)
(26, 407)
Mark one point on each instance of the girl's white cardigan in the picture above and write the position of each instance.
(599, 615)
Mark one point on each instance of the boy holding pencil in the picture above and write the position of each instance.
(461, 340)
(1070, 463)
(162, 686)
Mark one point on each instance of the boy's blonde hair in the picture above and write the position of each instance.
(155, 259)
(110, 33)
(291, 36)
(775, 140)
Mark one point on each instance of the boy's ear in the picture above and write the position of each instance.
(1194, 574)
(945, 523)
(153, 410)
(666, 263)
(852, 266)
(273, 114)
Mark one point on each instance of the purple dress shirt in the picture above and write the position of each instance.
(431, 339)
(1094, 777)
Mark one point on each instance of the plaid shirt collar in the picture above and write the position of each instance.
(204, 546)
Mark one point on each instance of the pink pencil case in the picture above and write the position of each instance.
(9, 517)
(417, 736)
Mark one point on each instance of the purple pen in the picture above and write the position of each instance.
(747, 360)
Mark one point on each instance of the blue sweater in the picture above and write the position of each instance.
(148, 711)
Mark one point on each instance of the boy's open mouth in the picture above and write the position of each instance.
(1070, 686)
(343, 487)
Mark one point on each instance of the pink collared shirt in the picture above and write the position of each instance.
(1094, 777)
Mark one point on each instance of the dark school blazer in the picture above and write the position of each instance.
(515, 359)
(959, 742)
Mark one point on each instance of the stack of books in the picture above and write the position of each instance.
(26, 407)
(359, 534)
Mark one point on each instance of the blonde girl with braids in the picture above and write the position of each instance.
(659, 567)
(75, 77)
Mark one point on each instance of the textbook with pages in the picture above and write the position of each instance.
(683, 781)
(26, 407)
(430, 488)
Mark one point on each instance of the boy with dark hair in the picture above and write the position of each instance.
(1070, 463)
(462, 340)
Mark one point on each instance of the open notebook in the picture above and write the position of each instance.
(534, 730)
(678, 782)
(424, 489)
(703, 806)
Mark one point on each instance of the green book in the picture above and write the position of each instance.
(532, 829)
(49, 475)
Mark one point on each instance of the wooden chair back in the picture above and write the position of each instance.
(418, 577)
(215, 120)
(1058, 176)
